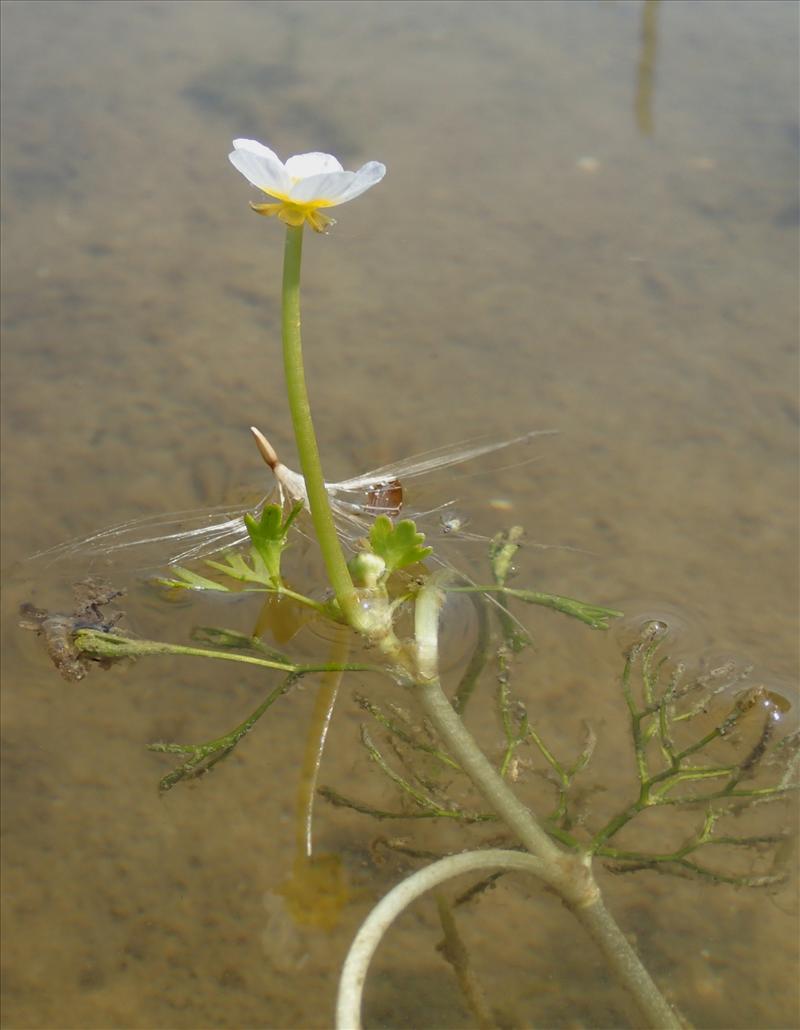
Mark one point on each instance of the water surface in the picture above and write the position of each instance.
(563, 240)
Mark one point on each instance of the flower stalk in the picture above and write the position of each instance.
(304, 434)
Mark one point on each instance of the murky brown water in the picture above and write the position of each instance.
(534, 259)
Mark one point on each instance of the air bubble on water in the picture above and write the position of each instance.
(647, 621)
(781, 701)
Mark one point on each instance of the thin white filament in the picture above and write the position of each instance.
(222, 528)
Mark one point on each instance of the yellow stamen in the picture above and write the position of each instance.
(293, 213)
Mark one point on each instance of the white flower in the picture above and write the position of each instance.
(306, 183)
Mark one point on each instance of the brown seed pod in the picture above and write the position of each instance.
(385, 498)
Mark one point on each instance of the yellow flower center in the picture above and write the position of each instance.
(294, 212)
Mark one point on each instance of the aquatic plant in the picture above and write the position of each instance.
(704, 745)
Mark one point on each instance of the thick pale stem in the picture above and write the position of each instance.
(462, 746)
(305, 437)
(354, 972)
(602, 928)
(627, 966)
(459, 741)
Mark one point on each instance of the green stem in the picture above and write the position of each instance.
(318, 606)
(304, 435)
(621, 957)
(496, 792)
(107, 645)
(460, 743)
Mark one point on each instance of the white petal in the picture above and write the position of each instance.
(367, 175)
(338, 187)
(255, 148)
(302, 165)
(330, 187)
(260, 165)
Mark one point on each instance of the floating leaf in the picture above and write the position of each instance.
(399, 545)
(269, 537)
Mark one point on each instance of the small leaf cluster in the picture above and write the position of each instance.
(261, 566)
(400, 545)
